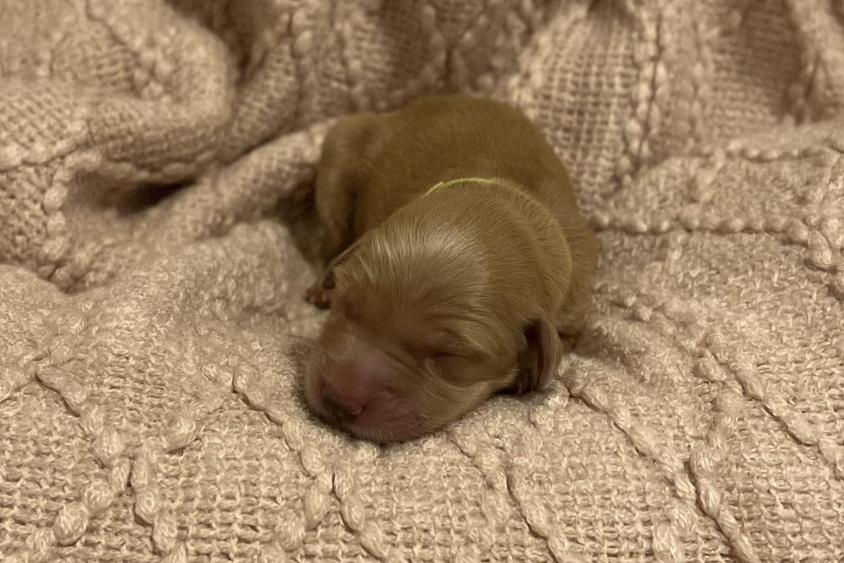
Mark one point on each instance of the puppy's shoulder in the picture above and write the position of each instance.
(362, 134)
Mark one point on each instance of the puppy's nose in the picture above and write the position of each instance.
(341, 408)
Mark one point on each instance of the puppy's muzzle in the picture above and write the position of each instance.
(342, 409)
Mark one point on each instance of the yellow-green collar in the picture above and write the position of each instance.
(487, 181)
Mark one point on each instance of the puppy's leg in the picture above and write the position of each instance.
(340, 173)
(578, 303)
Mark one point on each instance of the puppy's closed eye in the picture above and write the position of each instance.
(442, 343)
(439, 354)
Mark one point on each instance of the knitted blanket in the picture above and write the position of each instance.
(156, 239)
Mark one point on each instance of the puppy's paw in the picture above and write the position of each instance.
(319, 296)
(567, 343)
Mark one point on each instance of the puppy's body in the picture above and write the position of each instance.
(446, 295)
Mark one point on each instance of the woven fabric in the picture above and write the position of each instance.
(156, 241)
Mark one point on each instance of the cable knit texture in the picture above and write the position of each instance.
(156, 240)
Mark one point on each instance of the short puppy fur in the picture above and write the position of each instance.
(442, 296)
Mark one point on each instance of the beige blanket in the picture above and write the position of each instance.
(156, 240)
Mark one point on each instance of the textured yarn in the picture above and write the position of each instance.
(156, 241)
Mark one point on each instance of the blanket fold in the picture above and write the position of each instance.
(156, 243)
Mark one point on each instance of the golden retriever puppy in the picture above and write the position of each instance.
(457, 261)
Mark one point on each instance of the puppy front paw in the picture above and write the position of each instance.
(319, 296)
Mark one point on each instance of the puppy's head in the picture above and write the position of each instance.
(428, 319)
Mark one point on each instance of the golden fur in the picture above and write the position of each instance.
(456, 293)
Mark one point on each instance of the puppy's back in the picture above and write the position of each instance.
(441, 138)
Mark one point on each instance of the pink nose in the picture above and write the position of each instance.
(341, 407)
(353, 387)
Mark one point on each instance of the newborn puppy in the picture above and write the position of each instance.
(457, 261)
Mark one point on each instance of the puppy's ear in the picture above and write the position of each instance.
(540, 359)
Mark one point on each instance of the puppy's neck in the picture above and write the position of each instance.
(498, 182)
